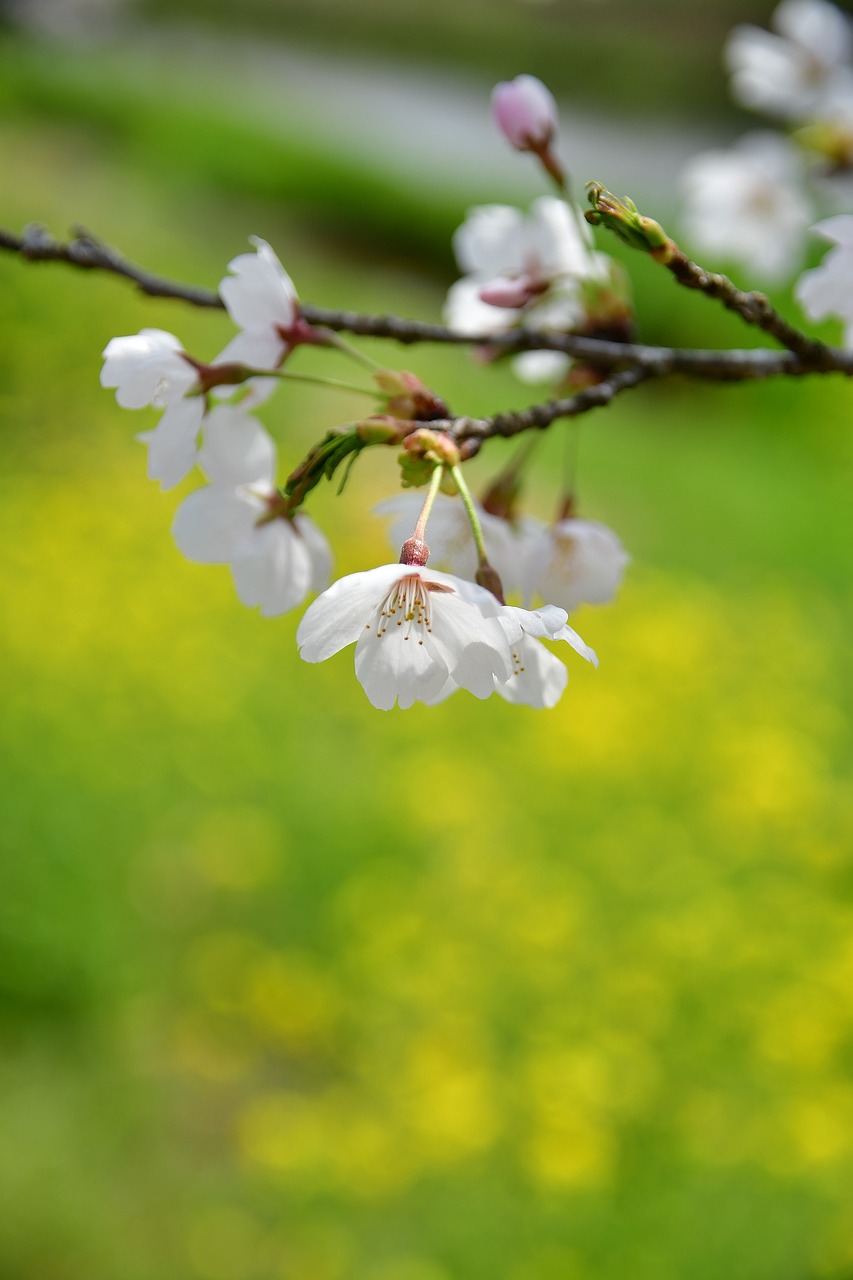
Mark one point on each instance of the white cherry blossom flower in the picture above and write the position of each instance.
(149, 368)
(261, 299)
(521, 262)
(574, 562)
(538, 677)
(413, 629)
(275, 560)
(828, 289)
(451, 541)
(747, 205)
(790, 74)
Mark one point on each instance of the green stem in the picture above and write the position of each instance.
(474, 519)
(335, 340)
(434, 483)
(320, 381)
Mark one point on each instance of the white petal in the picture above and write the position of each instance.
(539, 679)
(273, 570)
(397, 667)
(465, 312)
(260, 293)
(237, 450)
(490, 240)
(338, 617)
(318, 551)
(571, 637)
(172, 443)
(540, 366)
(212, 525)
(256, 348)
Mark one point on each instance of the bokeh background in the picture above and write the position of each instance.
(297, 990)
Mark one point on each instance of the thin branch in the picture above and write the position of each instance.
(755, 308)
(86, 252)
(540, 416)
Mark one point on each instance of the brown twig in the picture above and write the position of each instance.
(804, 356)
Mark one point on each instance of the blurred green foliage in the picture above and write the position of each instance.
(597, 52)
(296, 990)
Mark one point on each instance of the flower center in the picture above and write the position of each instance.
(407, 607)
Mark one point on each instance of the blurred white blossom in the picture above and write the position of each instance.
(236, 519)
(574, 562)
(747, 205)
(451, 541)
(828, 289)
(790, 74)
(261, 299)
(149, 368)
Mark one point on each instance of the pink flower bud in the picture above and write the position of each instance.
(525, 112)
(506, 292)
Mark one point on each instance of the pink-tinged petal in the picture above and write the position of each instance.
(338, 617)
(525, 112)
(212, 525)
(539, 678)
(237, 450)
(397, 666)
(465, 312)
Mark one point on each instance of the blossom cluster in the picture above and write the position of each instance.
(420, 634)
(754, 203)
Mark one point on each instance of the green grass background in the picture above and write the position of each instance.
(297, 990)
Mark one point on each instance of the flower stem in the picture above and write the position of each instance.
(335, 340)
(435, 481)
(476, 529)
(320, 381)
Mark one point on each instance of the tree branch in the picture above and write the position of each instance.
(86, 252)
(755, 308)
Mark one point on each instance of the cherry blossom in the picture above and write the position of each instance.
(828, 289)
(450, 539)
(150, 368)
(747, 204)
(525, 112)
(237, 519)
(790, 74)
(574, 562)
(413, 629)
(538, 677)
(261, 299)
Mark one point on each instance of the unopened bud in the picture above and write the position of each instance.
(382, 429)
(408, 397)
(525, 112)
(435, 447)
(414, 551)
(514, 294)
(489, 578)
(624, 219)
